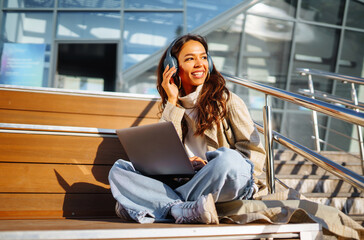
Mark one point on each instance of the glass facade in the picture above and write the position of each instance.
(146, 33)
(88, 25)
(49, 43)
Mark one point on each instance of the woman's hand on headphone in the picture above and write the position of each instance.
(169, 85)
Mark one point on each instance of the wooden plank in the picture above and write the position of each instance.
(173, 231)
(72, 119)
(36, 148)
(63, 103)
(38, 206)
(53, 178)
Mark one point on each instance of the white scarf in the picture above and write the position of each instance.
(195, 145)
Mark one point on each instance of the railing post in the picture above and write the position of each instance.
(268, 137)
(354, 97)
(314, 115)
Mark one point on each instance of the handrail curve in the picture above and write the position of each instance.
(330, 75)
(344, 114)
(341, 113)
(343, 173)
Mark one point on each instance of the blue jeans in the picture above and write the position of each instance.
(227, 176)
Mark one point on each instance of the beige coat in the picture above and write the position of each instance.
(237, 131)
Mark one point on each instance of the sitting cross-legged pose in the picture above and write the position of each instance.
(217, 132)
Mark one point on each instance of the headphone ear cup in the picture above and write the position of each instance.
(209, 61)
(172, 62)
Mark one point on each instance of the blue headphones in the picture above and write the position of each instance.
(173, 62)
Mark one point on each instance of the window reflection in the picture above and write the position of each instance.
(199, 12)
(267, 50)
(143, 84)
(155, 4)
(224, 45)
(355, 13)
(89, 25)
(318, 52)
(279, 8)
(89, 4)
(351, 62)
(25, 49)
(323, 11)
(27, 27)
(28, 3)
(145, 33)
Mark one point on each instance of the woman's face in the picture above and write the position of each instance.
(193, 66)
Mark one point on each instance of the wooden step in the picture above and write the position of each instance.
(66, 109)
(113, 229)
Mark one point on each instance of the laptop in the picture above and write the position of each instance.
(155, 150)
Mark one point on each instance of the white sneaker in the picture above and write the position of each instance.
(122, 213)
(201, 211)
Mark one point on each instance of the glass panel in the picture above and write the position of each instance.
(224, 45)
(88, 25)
(316, 47)
(351, 62)
(336, 140)
(279, 8)
(82, 83)
(24, 64)
(355, 14)
(267, 50)
(25, 49)
(298, 127)
(146, 33)
(199, 12)
(323, 11)
(144, 84)
(27, 27)
(155, 4)
(28, 3)
(89, 4)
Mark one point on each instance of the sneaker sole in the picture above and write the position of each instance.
(210, 216)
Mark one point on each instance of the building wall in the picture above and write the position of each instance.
(265, 43)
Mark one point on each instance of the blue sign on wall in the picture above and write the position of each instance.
(22, 64)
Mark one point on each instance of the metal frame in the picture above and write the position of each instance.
(268, 137)
(354, 98)
(341, 113)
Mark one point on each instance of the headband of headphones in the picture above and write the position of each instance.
(173, 62)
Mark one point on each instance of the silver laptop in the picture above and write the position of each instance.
(156, 150)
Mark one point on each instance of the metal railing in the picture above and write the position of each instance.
(341, 113)
(354, 104)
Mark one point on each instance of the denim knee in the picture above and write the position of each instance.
(230, 163)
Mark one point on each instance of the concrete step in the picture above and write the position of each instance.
(314, 184)
(319, 185)
(348, 203)
(338, 157)
(304, 167)
(358, 218)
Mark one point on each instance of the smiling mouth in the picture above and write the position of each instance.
(198, 74)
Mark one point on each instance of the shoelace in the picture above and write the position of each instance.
(121, 212)
(189, 213)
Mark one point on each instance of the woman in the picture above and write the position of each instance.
(219, 136)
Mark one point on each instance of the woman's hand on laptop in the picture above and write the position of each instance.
(197, 163)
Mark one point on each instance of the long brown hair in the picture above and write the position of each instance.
(211, 105)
